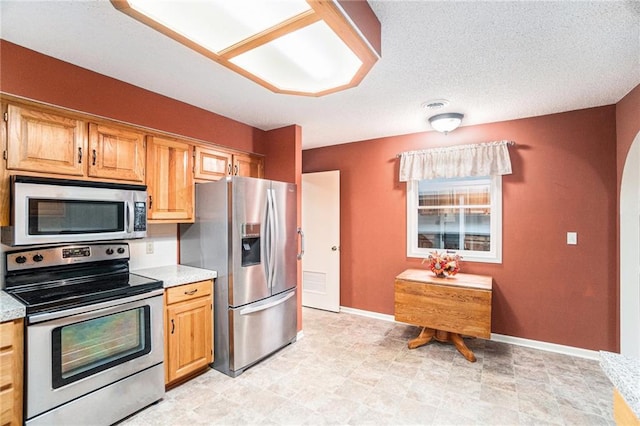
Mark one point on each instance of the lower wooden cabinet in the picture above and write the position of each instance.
(11, 372)
(188, 330)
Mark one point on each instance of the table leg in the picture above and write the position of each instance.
(426, 335)
(462, 348)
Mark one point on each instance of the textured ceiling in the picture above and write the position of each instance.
(493, 61)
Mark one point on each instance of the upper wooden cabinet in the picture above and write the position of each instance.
(44, 142)
(248, 165)
(116, 153)
(169, 180)
(211, 164)
(214, 164)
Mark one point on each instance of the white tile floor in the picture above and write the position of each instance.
(348, 369)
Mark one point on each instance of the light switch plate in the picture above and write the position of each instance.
(150, 247)
(572, 238)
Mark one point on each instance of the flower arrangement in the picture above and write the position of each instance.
(441, 263)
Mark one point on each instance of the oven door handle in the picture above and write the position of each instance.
(48, 316)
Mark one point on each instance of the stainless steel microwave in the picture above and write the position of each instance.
(45, 210)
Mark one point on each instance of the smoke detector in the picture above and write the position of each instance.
(435, 104)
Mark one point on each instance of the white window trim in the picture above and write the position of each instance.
(494, 255)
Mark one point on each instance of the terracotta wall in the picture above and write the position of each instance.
(283, 149)
(39, 77)
(564, 180)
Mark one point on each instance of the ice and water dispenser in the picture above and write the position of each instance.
(250, 244)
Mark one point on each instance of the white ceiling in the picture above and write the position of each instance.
(494, 61)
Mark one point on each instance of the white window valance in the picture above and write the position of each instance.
(484, 159)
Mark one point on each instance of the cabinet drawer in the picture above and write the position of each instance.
(189, 291)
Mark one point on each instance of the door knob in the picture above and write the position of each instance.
(334, 248)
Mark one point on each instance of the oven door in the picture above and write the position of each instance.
(74, 352)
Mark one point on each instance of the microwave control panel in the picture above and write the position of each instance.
(140, 216)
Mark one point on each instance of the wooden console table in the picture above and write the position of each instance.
(446, 308)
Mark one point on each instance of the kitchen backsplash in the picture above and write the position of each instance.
(161, 240)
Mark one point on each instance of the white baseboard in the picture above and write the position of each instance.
(535, 344)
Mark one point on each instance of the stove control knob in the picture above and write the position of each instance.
(37, 258)
(120, 250)
(21, 259)
(109, 251)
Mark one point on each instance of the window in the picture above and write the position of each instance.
(461, 215)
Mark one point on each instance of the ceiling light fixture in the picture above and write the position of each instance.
(299, 47)
(446, 122)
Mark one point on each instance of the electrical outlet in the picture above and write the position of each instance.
(149, 247)
(572, 238)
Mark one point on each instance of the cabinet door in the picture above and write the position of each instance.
(189, 336)
(211, 164)
(248, 165)
(116, 153)
(40, 141)
(169, 180)
(5, 199)
(11, 372)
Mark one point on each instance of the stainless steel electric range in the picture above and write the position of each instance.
(93, 333)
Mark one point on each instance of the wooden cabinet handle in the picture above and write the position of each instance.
(80, 155)
(173, 326)
(189, 293)
(94, 157)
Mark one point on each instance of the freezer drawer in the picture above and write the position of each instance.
(262, 328)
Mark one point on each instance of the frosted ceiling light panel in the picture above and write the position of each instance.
(312, 59)
(216, 25)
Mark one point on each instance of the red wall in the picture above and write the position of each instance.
(564, 180)
(283, 149)
(38, 77)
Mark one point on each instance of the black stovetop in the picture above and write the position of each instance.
(50, 279)
(81, 292)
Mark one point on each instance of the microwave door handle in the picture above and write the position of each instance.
(128, 221)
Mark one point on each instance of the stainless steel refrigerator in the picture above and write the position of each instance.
(245, 229)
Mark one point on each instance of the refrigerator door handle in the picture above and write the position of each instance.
(270, 235)
(251, 310)
(301, 244)
(274, 236)
(267, 237)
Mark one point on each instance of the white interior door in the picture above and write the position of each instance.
(321, 227)
(630, 253)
